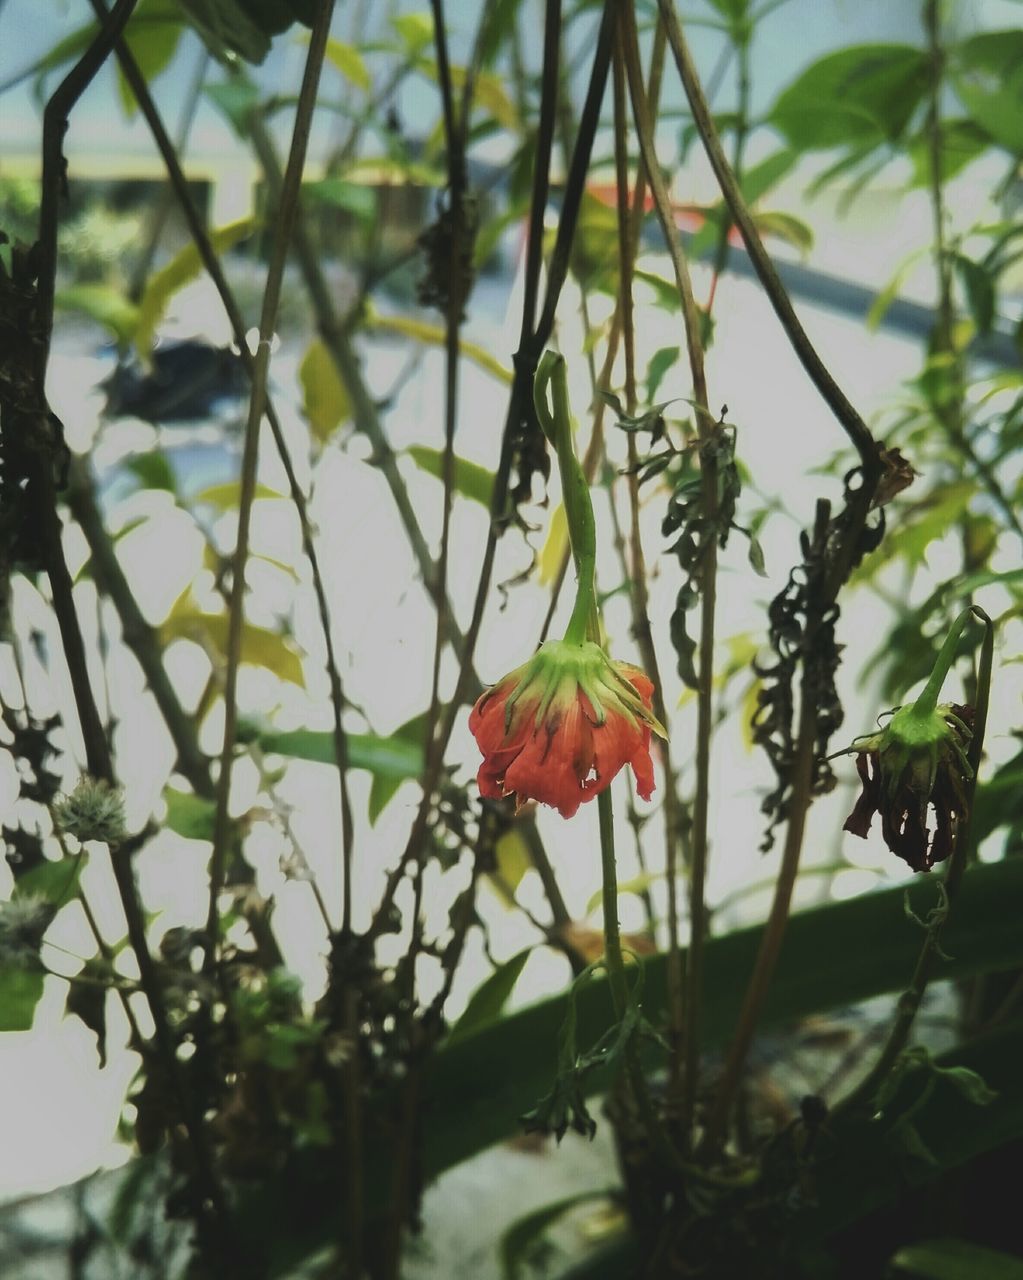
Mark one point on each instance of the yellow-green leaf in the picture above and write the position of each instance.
(182, 269)
(348, 61)
(555, 547)
(434, 335)
(513, 861)
(152, 36)
(227, 496)
(324, 397)
(106, 306)
(259, 647)
(470, 479)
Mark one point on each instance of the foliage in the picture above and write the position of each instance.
(277, 1115)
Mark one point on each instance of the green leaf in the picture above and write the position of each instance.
(55, 880)
(481, 1084)
(511, 853)
(979, 287)
(415, 30)
(20, 990)
(391, 756)
(349, 62)
(660, 362)
(758, 179)
(785, 226)
(227, 29)
(189, 815)
(236, 99)
(962, 141)
(863, 94)
(153, 471)
(103, 304)
(354, 197)
(259, 647)
(470, 479)
(385, 785)
(638, 884)
(226, 497)
(987, 75)
(153, 43)
(519, 1242)
(182, 269)
(88, 1000)
(879, 307)
(945, 1259)
(325, 401)
(487, 1002)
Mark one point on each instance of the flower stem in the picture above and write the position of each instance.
(557, 427)
(911, 999)
(612, 935)
(931, 691)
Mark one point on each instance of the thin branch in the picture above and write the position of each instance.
(707, 572)
(209, 1203)
(834, 397)
(519, 411)
(257, 404)
(138, 635)
(210, 261)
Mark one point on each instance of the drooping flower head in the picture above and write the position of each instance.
(918, 761)
(560, 727)
(924, 759)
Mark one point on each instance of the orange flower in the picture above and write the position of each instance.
(561, 726)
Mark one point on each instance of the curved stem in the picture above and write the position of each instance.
(557, 427)
(928, 699)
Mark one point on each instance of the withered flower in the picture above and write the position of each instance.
(916, 762)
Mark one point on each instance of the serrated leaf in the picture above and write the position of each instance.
(103, 304)
(189, 815)
(20, 991)
(489, 999)
(182, 269)
(470, 479)
(325, 401)
(349, 62)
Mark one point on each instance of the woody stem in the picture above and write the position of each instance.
(557, 427)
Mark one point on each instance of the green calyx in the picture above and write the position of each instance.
(913, 743)
(561, 667)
